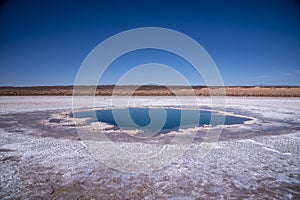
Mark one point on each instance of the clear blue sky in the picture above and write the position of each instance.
(255, 42)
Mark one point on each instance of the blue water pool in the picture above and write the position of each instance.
(164, 119)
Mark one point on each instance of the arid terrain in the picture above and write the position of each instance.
(107, 90)
(43, 157)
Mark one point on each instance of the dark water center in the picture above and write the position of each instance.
(163, 119)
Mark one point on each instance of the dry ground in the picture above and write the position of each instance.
(262, 91)
(42, 159)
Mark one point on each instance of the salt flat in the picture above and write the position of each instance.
(252, 161)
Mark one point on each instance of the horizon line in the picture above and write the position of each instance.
(110, 85)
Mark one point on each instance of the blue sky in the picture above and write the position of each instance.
(253, 42)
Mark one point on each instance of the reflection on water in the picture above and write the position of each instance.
(160, 118)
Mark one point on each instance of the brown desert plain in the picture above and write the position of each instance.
(107, 90)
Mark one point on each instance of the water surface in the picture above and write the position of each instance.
(164, 119)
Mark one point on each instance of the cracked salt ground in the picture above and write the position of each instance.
(258, 167)
(232, 169)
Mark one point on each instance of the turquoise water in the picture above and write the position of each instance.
(163, 119)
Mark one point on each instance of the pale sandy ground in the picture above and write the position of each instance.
(257, 167)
